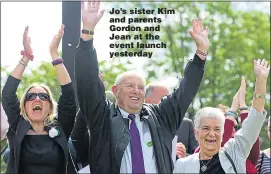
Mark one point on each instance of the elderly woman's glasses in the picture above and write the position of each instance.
(32, 96)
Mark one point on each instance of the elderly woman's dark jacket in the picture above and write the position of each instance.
(18, 126)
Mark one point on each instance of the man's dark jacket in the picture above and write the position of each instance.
(109, 130)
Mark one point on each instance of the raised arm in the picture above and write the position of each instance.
(66, 102)
(255, 151)
(10, 101)
(247, 135)
(231, 119)
(90, 88)
(174, 106)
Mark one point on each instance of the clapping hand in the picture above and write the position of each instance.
(55, 43)
(235, 102)
(242, 93)
(27, 42)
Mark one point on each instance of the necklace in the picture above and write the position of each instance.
(204, 167)
(38, 133)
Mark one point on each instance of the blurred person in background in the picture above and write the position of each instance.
(186, 138)
(4, 123)
(264, 164)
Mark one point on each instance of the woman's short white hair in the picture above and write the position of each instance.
(209, 113)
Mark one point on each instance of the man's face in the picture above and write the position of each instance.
(130, 93)
(157, 94)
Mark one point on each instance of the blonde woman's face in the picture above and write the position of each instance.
(37, 104)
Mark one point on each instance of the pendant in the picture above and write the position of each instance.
(203, 168)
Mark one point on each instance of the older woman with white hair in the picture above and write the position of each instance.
(209, 128)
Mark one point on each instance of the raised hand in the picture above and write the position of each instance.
(27, 41)
(242, 93)
(235, 102)
(261, 68)
(91, 15)
(55, 43)
(200, 36)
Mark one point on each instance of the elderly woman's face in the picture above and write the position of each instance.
(209, 135)
(37, 104)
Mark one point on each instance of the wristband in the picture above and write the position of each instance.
(258, 96)
(201, 53)
(243, 108)
(23, 63)
(231, 113)
(24, 53)
(57, 61)
(84, 31)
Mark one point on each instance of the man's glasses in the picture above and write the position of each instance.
(32, 96)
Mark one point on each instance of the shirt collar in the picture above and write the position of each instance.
(125, 114)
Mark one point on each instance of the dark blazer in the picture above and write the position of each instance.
(186, 135)
(18, 126)
(109, 131)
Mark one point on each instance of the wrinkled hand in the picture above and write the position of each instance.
(261, 68)
(200, 35)
(242, 93)
(27, 41)
(55, 43)
(235, 102)
(91, 15)
(181, 150)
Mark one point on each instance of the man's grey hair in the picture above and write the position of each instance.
(209, 113)
(119, 78)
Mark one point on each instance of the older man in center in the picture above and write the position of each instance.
(131, 137)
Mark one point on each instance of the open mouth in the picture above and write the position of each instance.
(37, 108)
(210, 141)
(134, 98)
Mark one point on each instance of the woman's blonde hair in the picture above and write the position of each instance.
(53, 105)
